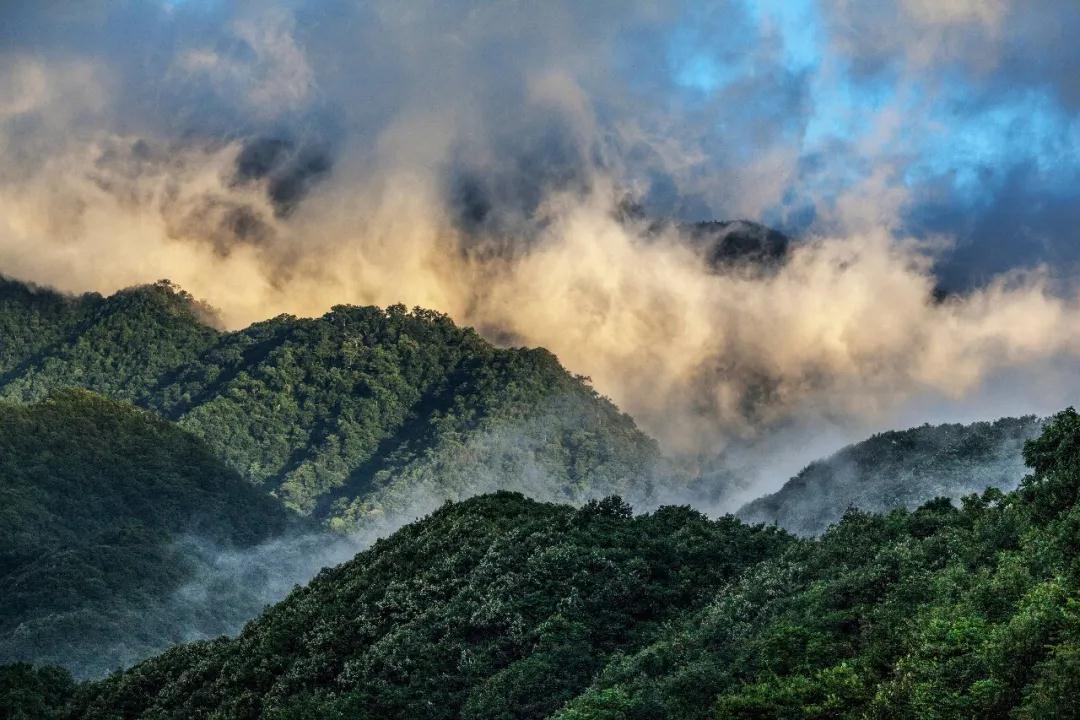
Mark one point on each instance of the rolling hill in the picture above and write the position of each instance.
(97, 499)
(496, 607)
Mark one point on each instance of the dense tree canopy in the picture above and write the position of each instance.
(94, 495)
(357, 417)
(938, 613)
(501, 607)
(497, 607)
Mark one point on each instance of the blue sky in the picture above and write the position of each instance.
(981, 113)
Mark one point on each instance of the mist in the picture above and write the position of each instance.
(478, 160)
(900, 469)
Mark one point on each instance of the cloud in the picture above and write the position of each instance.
(478, 159)
(261, 65)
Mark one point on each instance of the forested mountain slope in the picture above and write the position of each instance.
(903, 468)
(938, 613)
(357, 416)
(121, 346)
(499, 607)
(95, 498)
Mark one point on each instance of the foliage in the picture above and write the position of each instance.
(93, 496)
(501, 607)
(902, 468)
(938, 613)
(29, 693)
(119, 346)
(496, 607)
(357, 417)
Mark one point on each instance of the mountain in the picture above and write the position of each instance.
(496, 607)
(354, 418)
(501, 607)
(723, 245)
(937, 613)
(96, 500)
(120, 346)
(738, 243)
(902, 468)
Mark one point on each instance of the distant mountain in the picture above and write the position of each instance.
(358, 416)
(902, 468)
(739, 243)
(499, 608)
(724, 245)
(97, 499)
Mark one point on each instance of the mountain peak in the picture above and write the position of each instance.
(726, 244)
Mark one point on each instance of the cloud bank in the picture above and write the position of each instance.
(479, 158)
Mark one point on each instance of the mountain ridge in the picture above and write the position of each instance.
(325, 413)
(504, 608)
(899, 468)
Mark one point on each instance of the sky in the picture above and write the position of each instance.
(474, 157)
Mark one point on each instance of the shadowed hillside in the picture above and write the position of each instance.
(96, 498)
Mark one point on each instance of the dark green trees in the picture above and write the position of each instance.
(938, 613)
(501, 607)
(95, 497)
(29, 693)
(357, 417)
(497, 607)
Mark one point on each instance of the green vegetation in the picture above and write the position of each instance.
(360, 419)
(357, 417)
(124, 531)
(121, 346)
(497, 607)
(94, 498)
(28, 693)
(33, 319)
(367, 413)
(501, 607)
(899, 469)
(938, 613)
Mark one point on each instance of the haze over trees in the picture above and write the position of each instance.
(96, 499)
(900, 468)
(501, 607)
(163, 481)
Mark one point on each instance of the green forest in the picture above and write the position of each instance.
(503, 607)
(163, 482)
(94, 499)
(358, 416)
